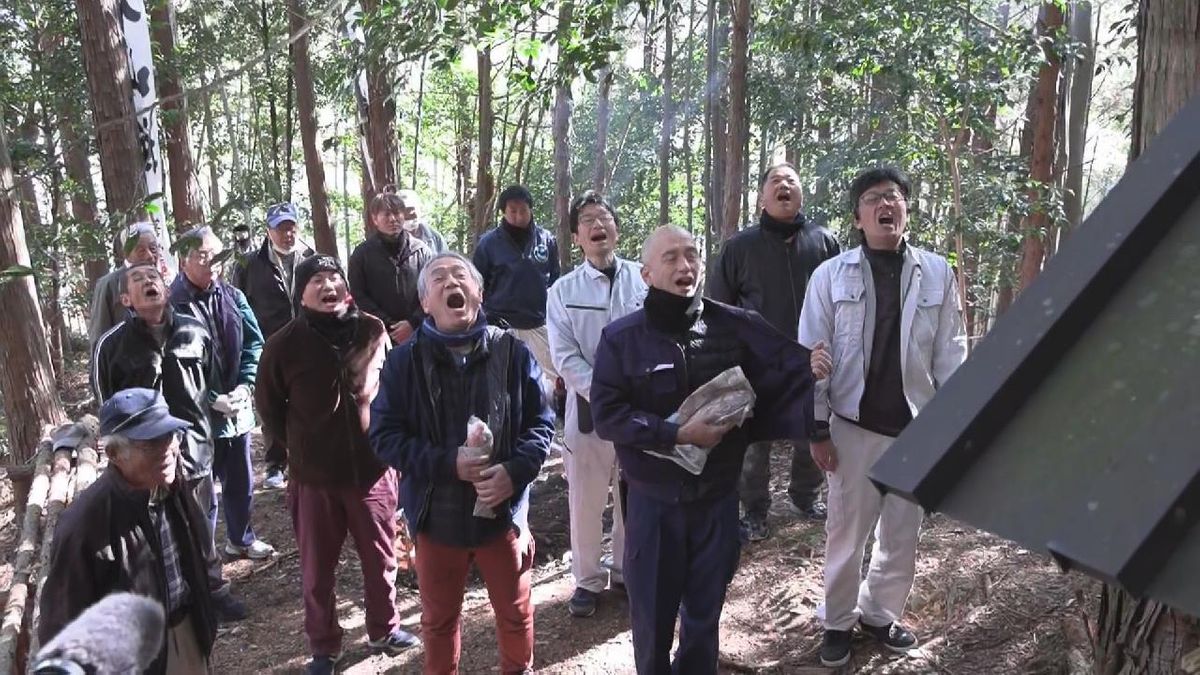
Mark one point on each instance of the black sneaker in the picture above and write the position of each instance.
(895, 637)
(228, 608)
(755, 528)
(583, 603)
(323, 664)
(835, 648)
(816, 511)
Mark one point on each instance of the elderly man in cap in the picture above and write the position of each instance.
(417, 222)
(465, 503)
(315, 384)
(136, 529)
(139, 244)
(237, 343)
(266, 277)
(681, 529)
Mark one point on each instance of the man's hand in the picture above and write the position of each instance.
(824, 453)
(702, 433)
(224, 405)
(820, 361)
(469, 464)
(401, 332)
(495, 485)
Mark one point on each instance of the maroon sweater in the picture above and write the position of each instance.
(317, 401)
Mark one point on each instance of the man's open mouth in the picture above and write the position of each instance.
(887, 219)
(784, 195)
(152, 292)
(685, 282)
(329, 297)
(456, 300)
(599, 237)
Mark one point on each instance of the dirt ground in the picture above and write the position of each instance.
(979, 604)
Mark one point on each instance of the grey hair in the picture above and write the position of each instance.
(659, 232)
(411, 199)
(116, 444)
(423, 277)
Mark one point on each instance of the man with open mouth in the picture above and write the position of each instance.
(139, 245)
(885, 327)
(681, 529)
(465, 504)
(765, 268)
(157, 348)
(601, 290)
(315, 384)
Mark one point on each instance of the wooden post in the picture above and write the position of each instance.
(18, 594)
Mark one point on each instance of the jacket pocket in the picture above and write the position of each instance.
(849, 313)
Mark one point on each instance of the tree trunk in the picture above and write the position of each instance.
(314, 167)
(1143, 636)
(715, 154)
(27, 379)
(603, 117)
(56, 325)
(1081, 97)
(419, 120)
(1041, 163)
(562, 169)
(484, 182)
(668, 123)
(185, 189)
(83, 192)
(735, 156)
(562, 141)
(108, 78)
(381, 111)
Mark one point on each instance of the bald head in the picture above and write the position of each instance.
(671, 261)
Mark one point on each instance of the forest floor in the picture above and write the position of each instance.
(979, 604)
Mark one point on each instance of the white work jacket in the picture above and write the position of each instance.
(839, 309)
(578, 307)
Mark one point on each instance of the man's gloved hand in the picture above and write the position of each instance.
(240, 397)
(224, 405)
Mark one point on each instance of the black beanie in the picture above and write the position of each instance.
(313, 264)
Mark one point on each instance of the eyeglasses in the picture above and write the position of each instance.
(873, 198)
(592, 221)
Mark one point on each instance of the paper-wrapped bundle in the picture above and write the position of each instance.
(726, 398)
(479, 442)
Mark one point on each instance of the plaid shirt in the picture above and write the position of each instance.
(177, 587)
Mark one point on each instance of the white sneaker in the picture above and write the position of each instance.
(257, 550)
(274, 480)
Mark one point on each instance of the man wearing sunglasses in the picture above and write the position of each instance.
(267, 277)
(136, 529)
(885, 328)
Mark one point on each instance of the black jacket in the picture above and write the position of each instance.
(106, 542)
(262, 281)
(384, 289)
(182, 368)
(757, 269)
